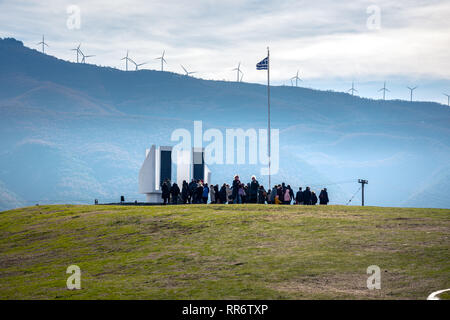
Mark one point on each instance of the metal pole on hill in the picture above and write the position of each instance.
(268, 108)
(363, 182)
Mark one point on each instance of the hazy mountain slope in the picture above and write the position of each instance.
(77, 132)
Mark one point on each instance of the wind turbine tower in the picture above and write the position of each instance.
(187, 73)
(296, 78)
(411, 89)
(162, 60)
(77, 49)
(448, 98)
(238, 71)
(126, 61)
(352, 89)
(84, 57)
(384, 89)
(43, 44)
(137, 65)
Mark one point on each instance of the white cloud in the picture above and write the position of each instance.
(324, 39)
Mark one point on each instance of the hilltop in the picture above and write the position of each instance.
(75, 132)
(223, 252)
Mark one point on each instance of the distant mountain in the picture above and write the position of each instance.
(75, 132)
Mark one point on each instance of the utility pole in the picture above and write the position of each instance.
(363, 182)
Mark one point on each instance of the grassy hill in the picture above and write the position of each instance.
(223, 252)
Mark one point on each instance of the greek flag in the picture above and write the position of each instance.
(263, 64)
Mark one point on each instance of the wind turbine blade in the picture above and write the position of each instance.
(184, 68)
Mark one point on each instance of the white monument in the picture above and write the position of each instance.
(183, 167)
(156, 168)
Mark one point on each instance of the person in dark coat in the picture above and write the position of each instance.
(313, 198)
(175, 191)
(262, 195)
(216, 194)
(192, 187)
(253, 190)
(244, 193)
(280, 193)
(323, 197)
(299, 196)
(223, 194)
(165, 188)
(291, 193)
(235, 190)
(307, 196)
(185, 192)
(199, 193)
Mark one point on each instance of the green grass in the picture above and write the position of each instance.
(223, 252)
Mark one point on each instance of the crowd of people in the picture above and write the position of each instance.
(197, 192)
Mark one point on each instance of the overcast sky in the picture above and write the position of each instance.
(332, 43)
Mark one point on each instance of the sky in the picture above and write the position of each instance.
(331, 43)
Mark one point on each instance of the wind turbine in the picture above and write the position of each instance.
(162, 60)
(412, 89)
(77, 49)
(296, 78)
(238, 71)
(187, 72)
(126, 61)
(84, 57)
(352, 89)
(43, 44)
(448, 98)
(137, 65)
(384, 89)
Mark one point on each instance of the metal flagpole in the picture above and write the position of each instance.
(268, 108)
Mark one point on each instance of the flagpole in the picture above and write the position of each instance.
(268, 109)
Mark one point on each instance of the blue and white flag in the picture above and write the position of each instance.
(263, 64)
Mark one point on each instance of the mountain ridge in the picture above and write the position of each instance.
(325, 135)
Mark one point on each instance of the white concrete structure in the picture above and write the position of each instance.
(199, 169)
(183, 167)
(155, 169)
(207, 175)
